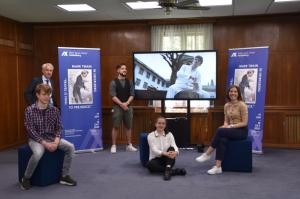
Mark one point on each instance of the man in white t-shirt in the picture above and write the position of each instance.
(188, 79)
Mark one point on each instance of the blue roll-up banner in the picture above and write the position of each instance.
(80, 97)
(247, 68)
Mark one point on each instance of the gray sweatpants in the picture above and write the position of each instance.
(38, 151)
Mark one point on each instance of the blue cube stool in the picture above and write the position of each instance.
(144, 149)
(48, 170)
(238, 156)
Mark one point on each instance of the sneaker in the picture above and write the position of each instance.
(131, 148)
(203, 158)
(25, 184)
(180, 172)
(113, 148)
(215, 170)
(67, 180)
(168, 173)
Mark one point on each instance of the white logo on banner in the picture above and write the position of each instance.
(233, 55)
(64, 53)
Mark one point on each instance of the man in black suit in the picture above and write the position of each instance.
(47, 70)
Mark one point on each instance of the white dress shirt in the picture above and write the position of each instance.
(159, 143)
(49, 83)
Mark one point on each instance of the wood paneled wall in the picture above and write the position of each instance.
(24, 47)
(117, 41)
(281, 34)
(16, 64)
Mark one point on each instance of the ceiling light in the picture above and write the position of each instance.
(140, 5)
(280, 1)
(215, 2)
(76, 7)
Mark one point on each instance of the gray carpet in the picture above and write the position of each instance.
(276, 174)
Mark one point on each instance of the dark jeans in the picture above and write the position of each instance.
(159, 164)
(222, 136)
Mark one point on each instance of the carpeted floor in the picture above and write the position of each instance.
(276, 175)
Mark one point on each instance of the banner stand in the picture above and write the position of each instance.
(89, 151)
(247, 68)
(80, 97)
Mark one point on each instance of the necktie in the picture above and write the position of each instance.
(51, 100)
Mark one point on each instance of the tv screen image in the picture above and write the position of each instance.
(175, 75)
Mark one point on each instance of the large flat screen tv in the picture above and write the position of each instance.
(178, 75)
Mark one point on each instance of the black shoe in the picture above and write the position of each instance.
(67, 180)
(178, 172)
(25, 184)
(168, 173)
(181, 172)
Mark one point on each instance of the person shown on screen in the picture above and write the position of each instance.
(47, 71)
(122, 93)
(188, 79)
(245, 83)
(163, 151)
(43, 125)
(79, 84)
(235, 127)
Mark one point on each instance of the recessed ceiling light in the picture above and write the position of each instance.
(76, 7)
(280, 1)
(215, 2)
(140, 5)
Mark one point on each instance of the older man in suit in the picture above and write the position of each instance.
(47, 71)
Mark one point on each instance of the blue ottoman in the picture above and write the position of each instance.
(48, 170)
(144, 149)
(238, 156)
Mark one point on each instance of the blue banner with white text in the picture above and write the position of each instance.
(247, 68)
(80, 97)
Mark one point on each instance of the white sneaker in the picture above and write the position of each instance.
(131, 148)
(203, 158)
(215, 170)
(113, 148)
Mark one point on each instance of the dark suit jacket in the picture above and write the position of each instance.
(30, 91)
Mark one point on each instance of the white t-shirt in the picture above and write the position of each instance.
(188, 77)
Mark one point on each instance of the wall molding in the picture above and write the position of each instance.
(6, 42)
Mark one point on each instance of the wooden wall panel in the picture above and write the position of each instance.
(25, 74)
(143, 121)
(9, 99)
(116, 41)
(24, 47)
(273, 128)
(16, 54)
(281, 35)
(7, 28)
(199, 129)
(292, 129)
